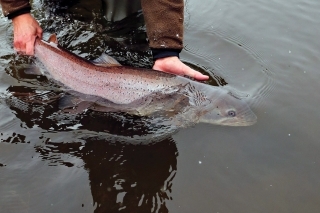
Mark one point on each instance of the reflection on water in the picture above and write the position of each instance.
(122, 176)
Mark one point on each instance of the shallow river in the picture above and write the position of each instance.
(267, 52)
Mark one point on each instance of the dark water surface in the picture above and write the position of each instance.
(267, 52)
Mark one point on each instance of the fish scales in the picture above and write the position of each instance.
(136, 89)
(110, 83)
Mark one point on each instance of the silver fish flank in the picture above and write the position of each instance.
(108, 86)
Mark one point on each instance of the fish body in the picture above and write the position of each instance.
(141, 91)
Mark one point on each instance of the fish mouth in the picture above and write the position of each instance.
(246, 120)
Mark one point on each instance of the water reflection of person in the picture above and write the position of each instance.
(164, 23)
(124, 177)
(130, 178)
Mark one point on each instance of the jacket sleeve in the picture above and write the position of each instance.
(164, 23)
(13, 8)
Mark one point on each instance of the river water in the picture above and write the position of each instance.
(266, 52)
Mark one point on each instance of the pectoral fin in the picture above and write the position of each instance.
(106, 61)
(73, 105)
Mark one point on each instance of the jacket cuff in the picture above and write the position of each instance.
(19, 12)
(163, 53)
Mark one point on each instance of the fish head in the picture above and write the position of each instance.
(228, 110)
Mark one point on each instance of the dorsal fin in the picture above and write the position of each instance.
(106, 61)
(53, 39)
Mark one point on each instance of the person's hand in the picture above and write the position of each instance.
(25, 31)
(174, 65)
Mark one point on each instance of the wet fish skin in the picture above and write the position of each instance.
(143, 91)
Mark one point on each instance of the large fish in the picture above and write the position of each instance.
(109, 86)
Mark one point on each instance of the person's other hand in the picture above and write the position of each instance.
(25, 31)
(174, 65)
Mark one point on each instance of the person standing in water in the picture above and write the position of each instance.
(164, 24)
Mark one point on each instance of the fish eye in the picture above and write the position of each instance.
(231, 113)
